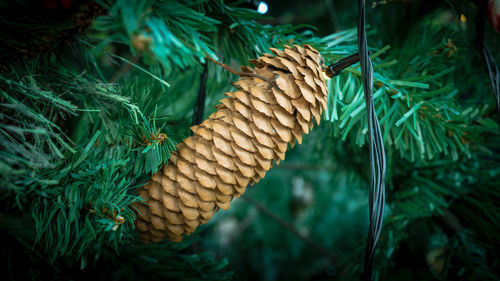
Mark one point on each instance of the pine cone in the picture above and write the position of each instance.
(275, 102)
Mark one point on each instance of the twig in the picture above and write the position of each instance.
(335, 68)
(125, 68)
(199, 106)
(242, 73)
(290, 228)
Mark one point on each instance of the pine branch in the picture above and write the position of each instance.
(23, 41)
(199, 106)
(420, 120)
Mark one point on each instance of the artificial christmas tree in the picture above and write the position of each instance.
(95, 95)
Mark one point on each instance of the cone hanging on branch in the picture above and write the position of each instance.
(276, 103)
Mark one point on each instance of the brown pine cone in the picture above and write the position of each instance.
(275, 102)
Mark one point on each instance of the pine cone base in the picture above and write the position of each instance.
(275, 103)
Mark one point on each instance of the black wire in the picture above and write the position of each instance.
(199, 106)
(377, 153)
(488, 59)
